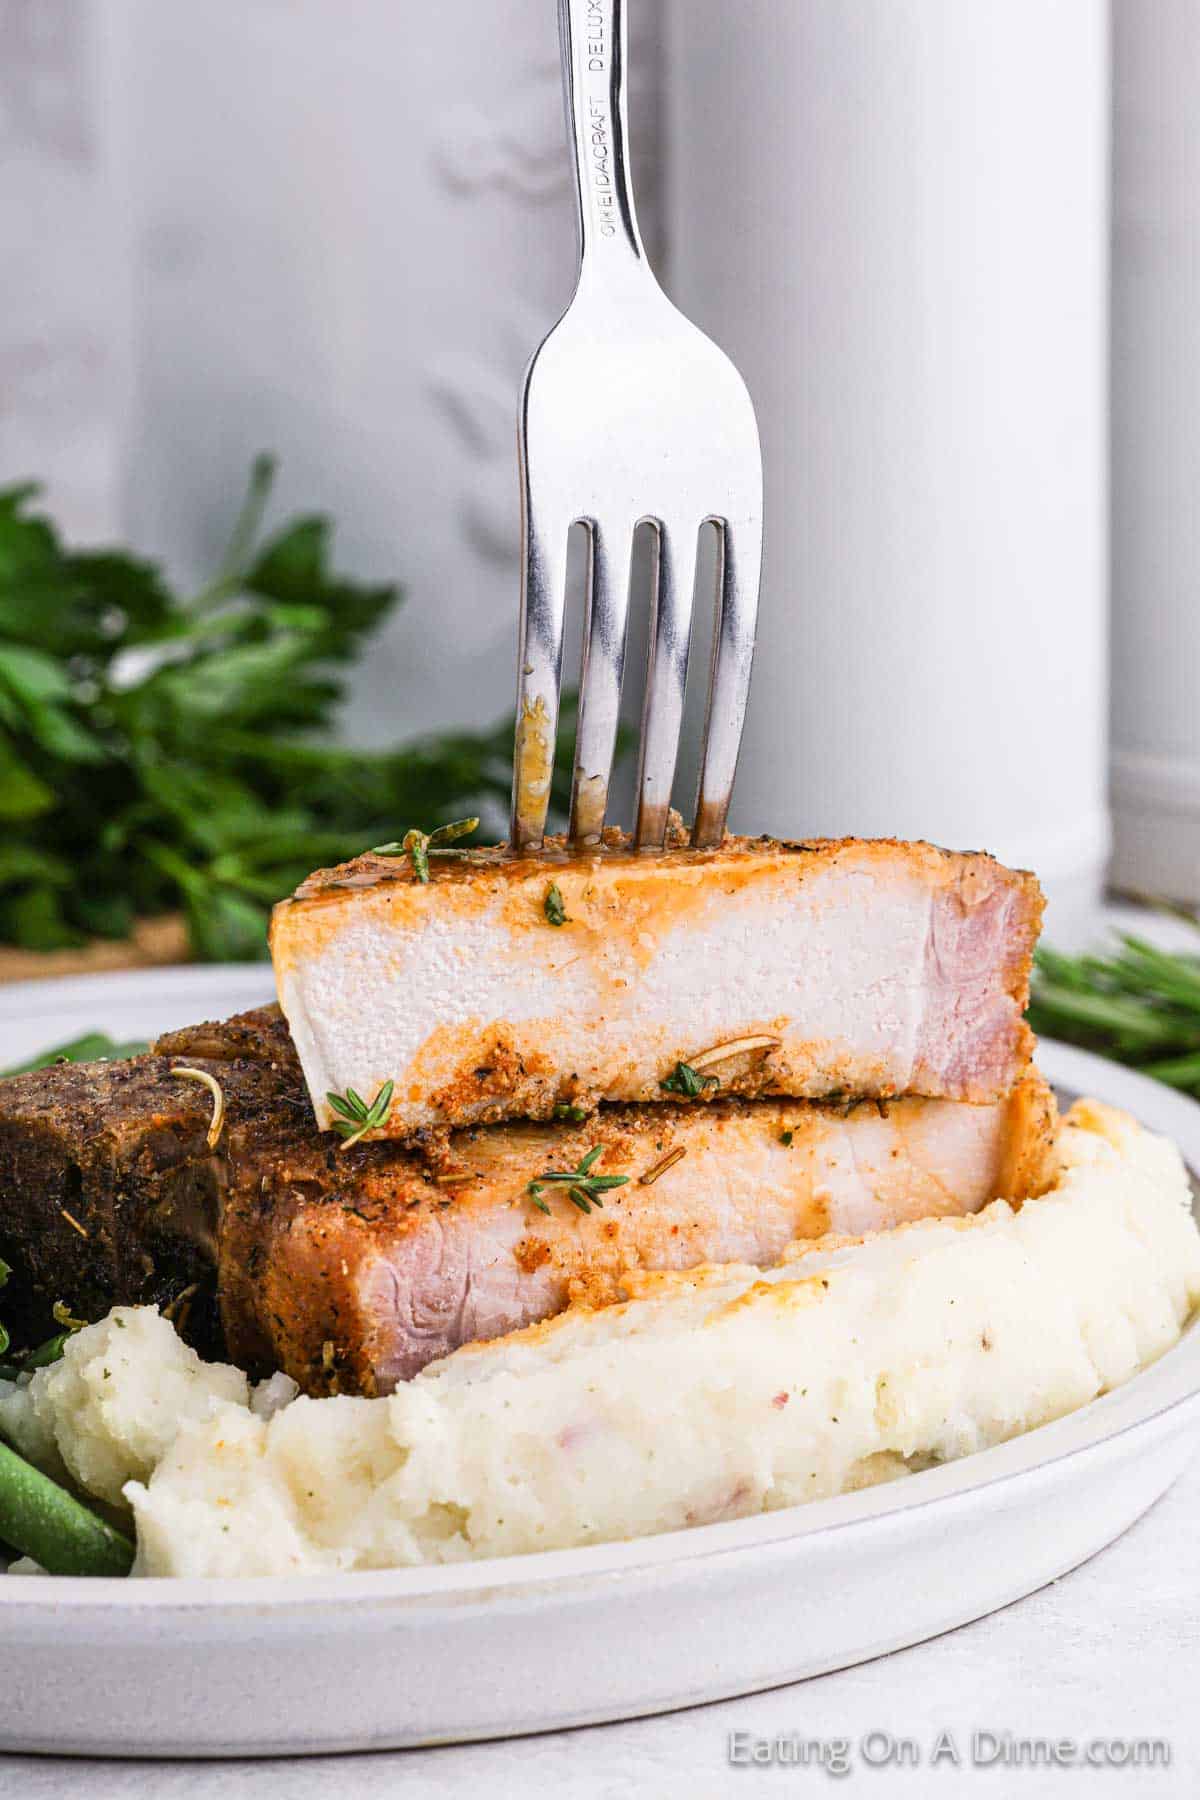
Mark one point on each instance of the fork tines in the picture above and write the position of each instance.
(629, 416)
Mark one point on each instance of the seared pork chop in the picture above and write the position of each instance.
(351, 1269)
(258, 1036)
(352, 1272)
(865, 968)
(108, 1189)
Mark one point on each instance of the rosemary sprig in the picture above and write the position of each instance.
(1140, 1005)
(356, 1117)
(419, 846)
(685, 1080)
(583, 1188)
(553, 907)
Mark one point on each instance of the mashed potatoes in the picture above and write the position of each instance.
(109, 1411)
(706, 1396)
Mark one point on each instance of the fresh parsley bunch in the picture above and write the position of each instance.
(160, 754)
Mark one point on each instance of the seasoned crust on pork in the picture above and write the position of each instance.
(352, 1268)
(110, 1191)
(353, 1271)
(871, 968)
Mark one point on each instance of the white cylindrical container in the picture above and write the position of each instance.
(1156, 447)
(894, 216)
(354, 224)
(66, 373)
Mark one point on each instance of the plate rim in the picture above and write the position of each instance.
(1148, 1400)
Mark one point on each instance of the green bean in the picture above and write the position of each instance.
(46, 1353)
(41, 1520)
(41, 1358)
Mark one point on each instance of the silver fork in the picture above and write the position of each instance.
(629, 416)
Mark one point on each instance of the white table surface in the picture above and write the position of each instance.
(1110, 1651)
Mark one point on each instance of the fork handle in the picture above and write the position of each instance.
(592, 38)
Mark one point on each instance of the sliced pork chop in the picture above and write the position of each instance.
(258, 1036)
(351, 1272)
(865, 968)
(353, 1268)
(109, 1190)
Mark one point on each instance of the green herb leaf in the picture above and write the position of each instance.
(446, 834)
(583, 1188)
(785, 1138)
(23, 794)
(419, 846)
(356, 1118)
(574, 1115)
(552, 906)
(684, 1080)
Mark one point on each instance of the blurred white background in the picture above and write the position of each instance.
(337, 228)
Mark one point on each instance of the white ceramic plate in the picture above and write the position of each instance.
(419, 1656)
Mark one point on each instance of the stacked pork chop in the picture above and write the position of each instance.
(747, 1046)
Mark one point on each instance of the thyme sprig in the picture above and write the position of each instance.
(583, 1188)
(419, 846)
(687, 1081)
(356, 1118)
